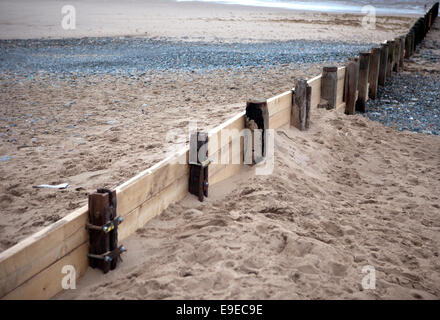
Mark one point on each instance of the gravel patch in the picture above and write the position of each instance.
(408, 102)
(133, 55)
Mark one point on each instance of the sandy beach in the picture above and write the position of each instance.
(92, 107)
(79, 114)
(188, 21)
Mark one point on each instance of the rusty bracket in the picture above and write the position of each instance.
(110, 255)
(107, 227)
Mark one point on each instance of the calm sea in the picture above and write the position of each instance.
(381, 6)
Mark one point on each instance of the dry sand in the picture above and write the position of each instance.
(346, 194)
(188, 21)
(112, 139)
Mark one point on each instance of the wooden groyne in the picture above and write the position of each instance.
(32, 269)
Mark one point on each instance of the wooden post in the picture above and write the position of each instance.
(257, 117)
(414, 38)
(383, 64)
(364, 66)
(98, 243)
(308, 106)
(396, 54)
(390, 58)
(329, 86)
(351, 84)
(299, 108)
(198, 165)
(402, 52)
(103, 230)
(373, 77)
(408, 45)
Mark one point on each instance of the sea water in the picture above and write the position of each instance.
(341, 6)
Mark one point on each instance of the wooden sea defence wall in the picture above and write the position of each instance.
(32, 269)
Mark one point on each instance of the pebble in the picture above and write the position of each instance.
(414, 110)
(135, 56)
(68, 104)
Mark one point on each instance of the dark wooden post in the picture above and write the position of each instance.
(329, 86)
(373, 78)
(396, 54)
(308, 106)
(257, 117)
(364, 66)
(351, 84)
(408, 45)
(104, 252)
(414, 39)
(402, 52)
(98, 243)
(198, 165)
(383, 64)
(390, 58)
(300, 109)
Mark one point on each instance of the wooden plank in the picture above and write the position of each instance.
(220, 171)
(150, 182)
(329, 87)
(396, 54)
(37, 252)
(341, 108)
(153, 207)
(299, 109)
(235, 124)
(383, 64)
(373, 75)
(364, 66)
(390, 61)
(48, 282)
(280, 119)
(279, 102)
(340, 86)
(315, 83)
(231, 149)
(351, 83)
(402, 52)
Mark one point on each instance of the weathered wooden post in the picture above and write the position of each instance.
(390, 58)
(383, 64)
(412, 42)
(408, 45)
(198, 165)
(329, 87)
(373, 77)
(103, 223)
(308, 105)
(364, 66)
(351, 84)
(402, 52)
(257, 118)
(301, 106)
(396, 54)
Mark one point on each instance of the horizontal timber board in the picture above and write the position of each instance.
(279, 103)
(37, 252)
(48, 282)
(315, 83)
